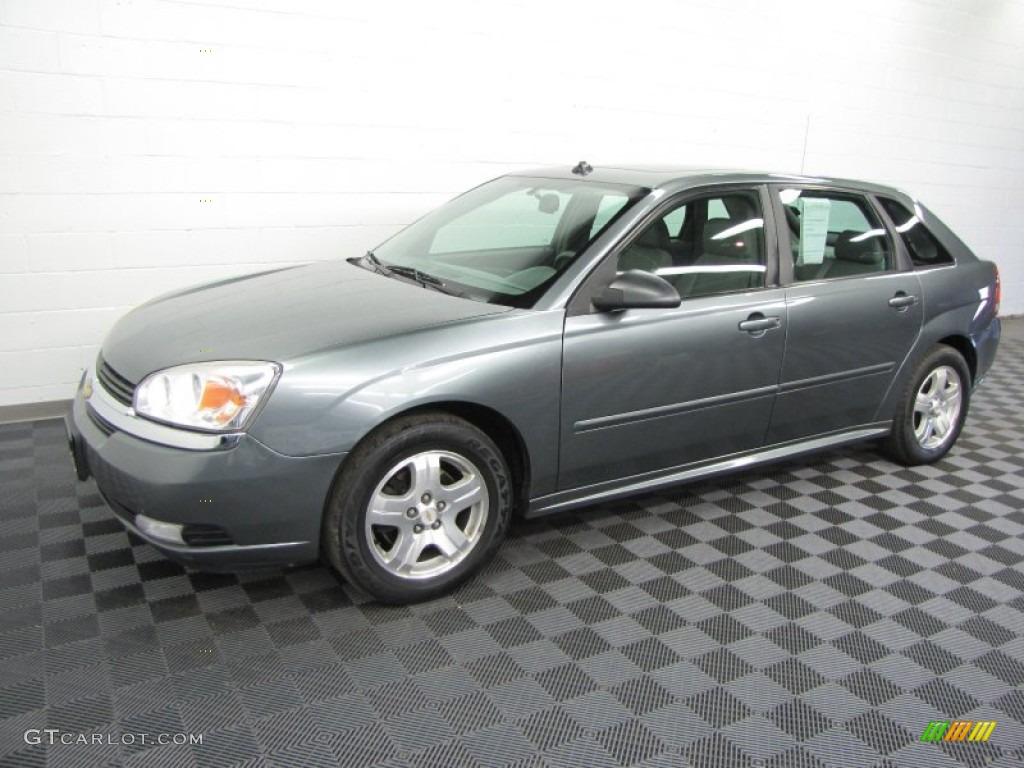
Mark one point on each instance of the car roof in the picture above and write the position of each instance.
(673, 178)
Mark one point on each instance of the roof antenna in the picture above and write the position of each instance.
(582, 168)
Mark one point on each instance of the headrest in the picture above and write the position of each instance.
(860, 247)
(715, 245)
(655, 236)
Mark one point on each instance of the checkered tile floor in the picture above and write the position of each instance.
(816, 613)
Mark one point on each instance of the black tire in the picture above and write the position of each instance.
(904, 444)
(356, 549)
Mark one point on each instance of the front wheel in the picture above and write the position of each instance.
(419, 505)
(932, 410)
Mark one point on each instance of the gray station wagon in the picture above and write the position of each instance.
(547, 340)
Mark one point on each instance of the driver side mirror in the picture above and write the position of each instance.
(636, 289)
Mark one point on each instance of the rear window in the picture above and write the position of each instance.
(925, 249)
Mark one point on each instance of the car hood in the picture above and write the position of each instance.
(275, 316)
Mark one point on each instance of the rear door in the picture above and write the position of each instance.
(854, 312)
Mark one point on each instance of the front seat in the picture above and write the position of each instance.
(649, 252)
(737, 251)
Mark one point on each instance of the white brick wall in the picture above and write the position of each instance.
(315, 128)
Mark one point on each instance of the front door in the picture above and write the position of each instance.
(651, 389)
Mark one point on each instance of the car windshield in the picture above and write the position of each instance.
(505, 241)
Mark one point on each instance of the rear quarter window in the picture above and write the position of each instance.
(924, 248)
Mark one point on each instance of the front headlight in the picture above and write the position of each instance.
(209, 396)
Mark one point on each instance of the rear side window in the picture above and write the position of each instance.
(925, 249)
(834, 235)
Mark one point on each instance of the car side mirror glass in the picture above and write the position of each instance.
(636, 289)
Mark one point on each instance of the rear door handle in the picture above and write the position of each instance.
(901, 301)
(758, 323)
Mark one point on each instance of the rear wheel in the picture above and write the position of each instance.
(932, 410)
(420, 504)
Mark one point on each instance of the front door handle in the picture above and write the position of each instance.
(902, 301)
(757, 324)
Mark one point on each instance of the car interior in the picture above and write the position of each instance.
(853, 245)
(708, 246)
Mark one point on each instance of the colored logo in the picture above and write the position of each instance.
(958, 730)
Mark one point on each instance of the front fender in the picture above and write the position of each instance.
(511, 363)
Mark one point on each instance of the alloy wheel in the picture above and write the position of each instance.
(937, 407)
(427, 514)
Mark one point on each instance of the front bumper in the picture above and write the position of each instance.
(248, 506)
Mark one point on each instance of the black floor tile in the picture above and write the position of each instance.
(817, 612)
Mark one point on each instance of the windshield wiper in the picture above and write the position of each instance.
(424, 279)
(411, 273)
(414, 274)
(371, 259)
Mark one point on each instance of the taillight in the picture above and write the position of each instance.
(998, 292)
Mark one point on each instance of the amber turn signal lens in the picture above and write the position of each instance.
(218, 396)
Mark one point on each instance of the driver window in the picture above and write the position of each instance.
(705, 246)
